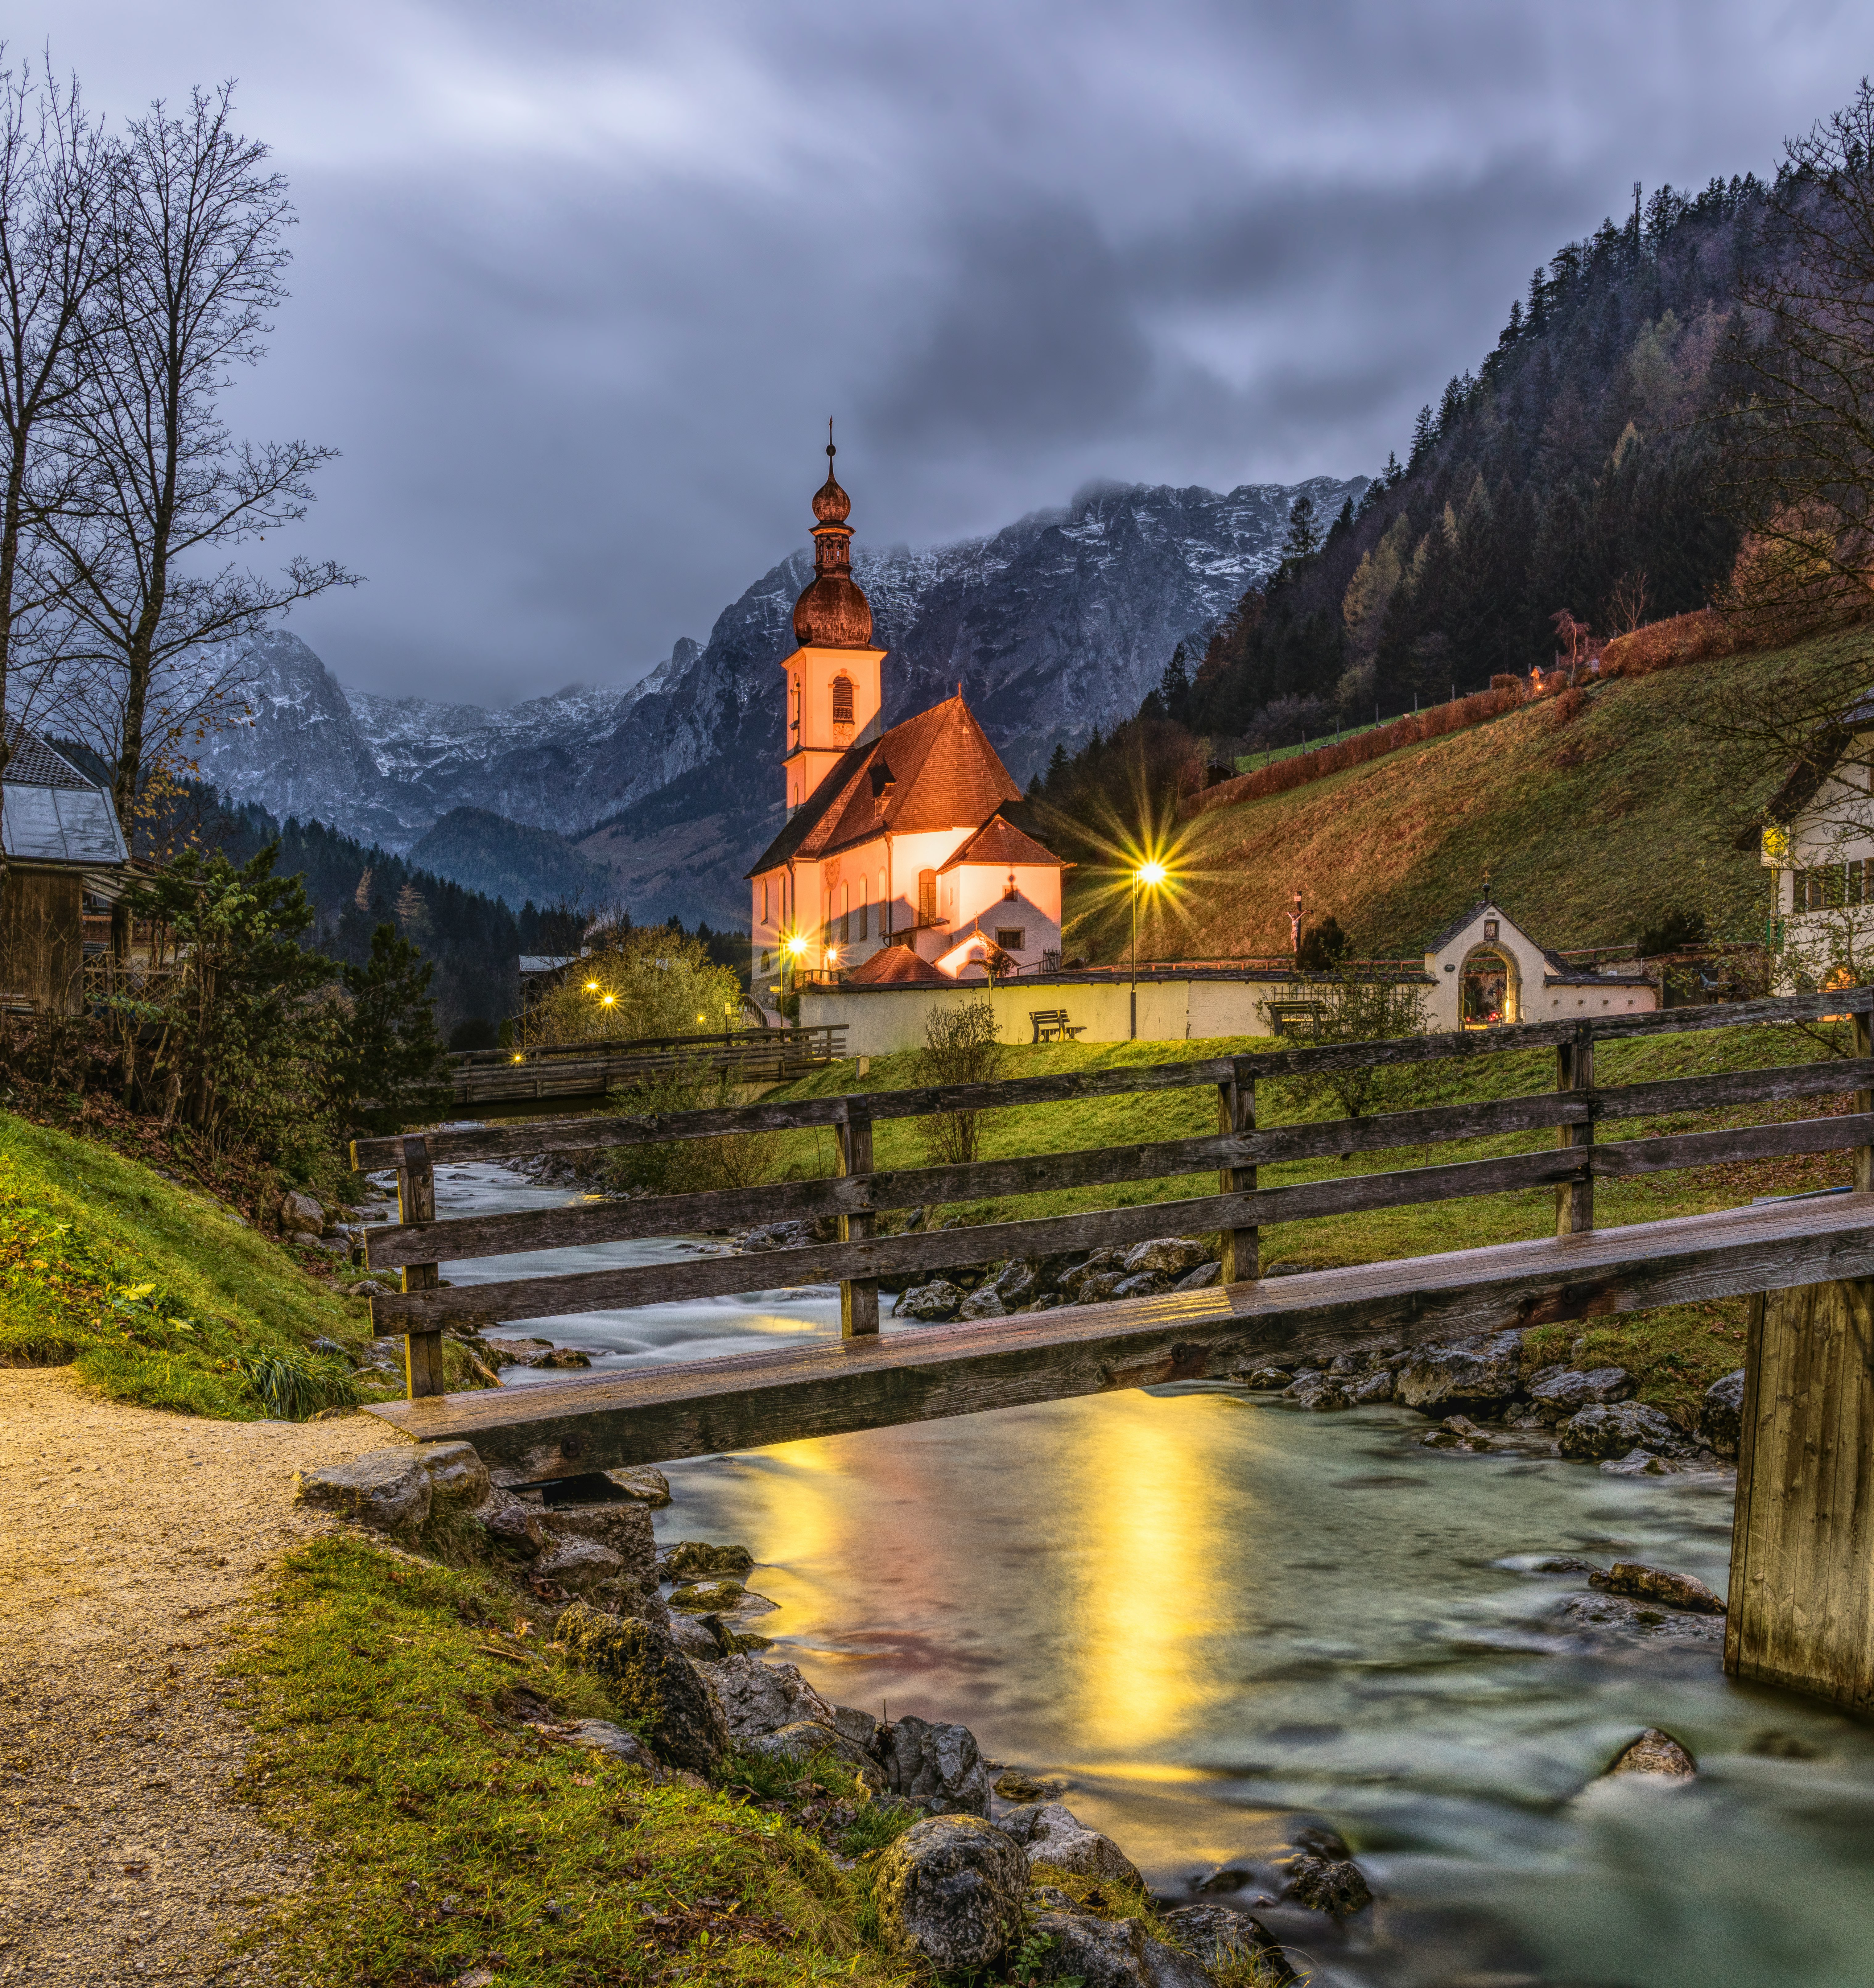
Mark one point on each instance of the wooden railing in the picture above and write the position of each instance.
(1574, 1110)
(592, 1068)
(128, 980)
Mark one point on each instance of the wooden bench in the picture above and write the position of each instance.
(1292, 1018)
(1051, 1025)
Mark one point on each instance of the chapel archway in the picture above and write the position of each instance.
(1489, 990)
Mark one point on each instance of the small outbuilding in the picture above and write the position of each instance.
(1486, 969)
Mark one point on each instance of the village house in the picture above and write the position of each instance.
(1485, 969)
(1819, 843)
(65, 856)
(895, 862)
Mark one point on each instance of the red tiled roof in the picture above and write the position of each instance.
(1001, 844)
(896, 966)
(937, 770)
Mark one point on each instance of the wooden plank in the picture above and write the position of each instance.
(659, 1414)
(858, 1295)
(1801, 1602)
(549, 1135)
(1575, 1072)
(934, 1250)
(416, 1202)
(1789, 1136)
(1864, 1102)
(1729, 1088)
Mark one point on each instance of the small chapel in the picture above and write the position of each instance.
(896, 863)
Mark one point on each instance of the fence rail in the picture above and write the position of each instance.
(591, 1069)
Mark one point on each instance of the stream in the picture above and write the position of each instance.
(1217, 1617)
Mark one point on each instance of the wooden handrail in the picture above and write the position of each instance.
(522, 1140)
(585, 1224)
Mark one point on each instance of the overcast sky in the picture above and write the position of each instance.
(577, 283)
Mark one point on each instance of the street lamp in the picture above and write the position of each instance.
(1150, 875)
(794, 948)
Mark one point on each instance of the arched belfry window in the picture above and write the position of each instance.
(842, 702)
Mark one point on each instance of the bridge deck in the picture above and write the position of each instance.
(658, 1414)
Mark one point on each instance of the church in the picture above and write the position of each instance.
(896, 864)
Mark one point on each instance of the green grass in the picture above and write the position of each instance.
(1592, 828)
(154, 1292)
(390, 1702)
(1251, 762)
(1675, 1355)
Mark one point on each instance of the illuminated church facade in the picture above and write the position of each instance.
(896, 863)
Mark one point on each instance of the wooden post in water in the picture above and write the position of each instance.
(1236, 1114)
(1801, 1607)
(1574, 1199)
(416, 1201)
(858, 1295)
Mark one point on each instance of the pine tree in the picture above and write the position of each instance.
(1422, 438)
(1174, 689)
(1304, 539)
(389, 1053)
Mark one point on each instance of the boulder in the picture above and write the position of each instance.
(581, 1566)
(984, 1304)
(933, 1303)
(806, 1740)
(688, 1558)
(1457, 1432)
(705, 1597)
(1658, 1583)
(1613, 1431)
(1721, 1415)
(860, 1727)
(937, 1768)
(696, 1637)
(1021, 1282)
(388, 1488)
(599, 1736)
(757, 1697)
(647, 1487)
(1169, 1255)
(1319, 1391)
(301, 1212)
(1221, 1937)
(624, 1527)
(1096, 1289)
(1374, 1387)
(950, 1892)
(667, 1697)
(1140, 1284)
(1200, 1278)
(1266, 1380)
(1637, 1463)
(562, 1356)
(1111, 1953)
(1566, 1393)
(1472, 1373)
(512, 1522)
(1051, 1834)
(1336, 1887)
(1616, 1619)
(1655, 1752)
(1100, 1264)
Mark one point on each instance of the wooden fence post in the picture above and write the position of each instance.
(1236, 1113)
(1801, 1612)
(858, 1295)
(416, 1201)
(1864, 1101)
(1575, 1071)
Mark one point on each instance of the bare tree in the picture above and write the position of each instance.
(199, 221)
(54, 246)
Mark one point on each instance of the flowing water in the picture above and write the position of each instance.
(1217, 1617)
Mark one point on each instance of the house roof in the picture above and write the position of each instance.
(1463, 918)
(935, 770)
(895, 966)
(50, 813)
(1000, 845)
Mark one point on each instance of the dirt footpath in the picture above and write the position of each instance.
(131, 1543)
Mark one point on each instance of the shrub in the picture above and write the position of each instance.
(961, 1046)
(684, 1166)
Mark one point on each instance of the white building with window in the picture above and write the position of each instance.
(894, 840)
(1820, 843)
(1485, 969)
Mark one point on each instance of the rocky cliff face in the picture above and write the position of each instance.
(1058, 623)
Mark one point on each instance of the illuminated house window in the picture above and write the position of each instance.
(842, 707)
(1010, 937)
(927, 897)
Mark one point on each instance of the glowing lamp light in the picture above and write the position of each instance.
(832, 955)
(592, 987)
(1151, 874)
(797, 944)
(609, 1001)
(519, 1058)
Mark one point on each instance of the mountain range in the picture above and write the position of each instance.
(1055, 625)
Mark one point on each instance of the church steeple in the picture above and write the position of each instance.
(833, 614)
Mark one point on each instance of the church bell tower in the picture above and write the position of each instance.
(834, 685)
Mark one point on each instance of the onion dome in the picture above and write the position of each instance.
(833, 614)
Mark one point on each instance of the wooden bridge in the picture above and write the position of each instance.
(1802, 1583)
(591, 1069)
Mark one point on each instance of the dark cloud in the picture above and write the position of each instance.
(577, 286)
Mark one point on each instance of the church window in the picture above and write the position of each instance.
(865, 922)
(764, 906)
(927, 897)
(1009, 938)
(884, 910)
(845, 914)
(842, 699)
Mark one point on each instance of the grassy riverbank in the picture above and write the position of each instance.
(1675, 1353)
(156, 1293)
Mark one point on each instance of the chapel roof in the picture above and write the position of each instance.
(999, 843)
(935, 770)
(896, 966)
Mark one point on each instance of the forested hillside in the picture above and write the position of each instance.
(486, 852)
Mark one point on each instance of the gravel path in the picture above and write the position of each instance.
(131, 1543)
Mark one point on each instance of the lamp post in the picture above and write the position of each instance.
(1150, 875)
(793, 950)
